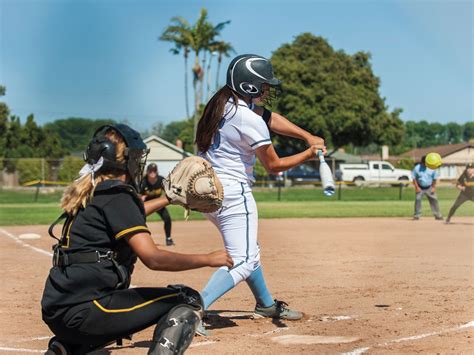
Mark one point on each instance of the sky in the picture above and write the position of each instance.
(102, 58)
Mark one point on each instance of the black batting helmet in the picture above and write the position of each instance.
(247, 73)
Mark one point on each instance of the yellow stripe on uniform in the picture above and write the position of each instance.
(133, 229)
(122, 310)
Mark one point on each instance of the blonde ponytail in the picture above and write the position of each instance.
(80, 192)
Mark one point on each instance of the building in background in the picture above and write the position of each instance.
(455, 157)
(164, 154)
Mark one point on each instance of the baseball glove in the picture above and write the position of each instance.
(194, 185)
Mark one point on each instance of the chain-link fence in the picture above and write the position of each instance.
(57, 173)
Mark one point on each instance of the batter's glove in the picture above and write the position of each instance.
(194, 185)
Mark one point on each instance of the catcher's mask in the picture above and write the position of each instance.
(247, 74)
(135, 153)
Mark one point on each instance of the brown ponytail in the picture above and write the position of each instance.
(213, 113)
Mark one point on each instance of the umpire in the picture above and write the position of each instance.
(424, 180)
(151, 188)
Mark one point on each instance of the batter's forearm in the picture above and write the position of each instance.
(283, 164)
(283, 126)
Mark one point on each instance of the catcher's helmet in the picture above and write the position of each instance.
(247, 73)
(135, 153)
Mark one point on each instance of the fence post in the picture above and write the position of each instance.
(42, 172)
(339, 191)
(279, 182)
(400, 191)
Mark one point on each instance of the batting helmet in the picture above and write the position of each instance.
(433, 161)
(135, 153)
(248, 72)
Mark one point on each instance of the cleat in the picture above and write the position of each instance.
(278, 310)
(169, 242)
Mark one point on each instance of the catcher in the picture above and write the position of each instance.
(87, 302)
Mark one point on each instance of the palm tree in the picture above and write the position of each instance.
(223, 49)
(197, 38)
(180, 34)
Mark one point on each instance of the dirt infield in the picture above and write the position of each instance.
(378, 285)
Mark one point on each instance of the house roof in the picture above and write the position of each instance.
(443, 150)
(167, 144)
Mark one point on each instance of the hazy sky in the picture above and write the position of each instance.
(101, 58)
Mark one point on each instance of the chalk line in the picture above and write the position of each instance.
(359, 351)
(23, 244)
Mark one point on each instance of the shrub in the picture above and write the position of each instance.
(69, 169)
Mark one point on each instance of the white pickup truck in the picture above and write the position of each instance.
(374, 171)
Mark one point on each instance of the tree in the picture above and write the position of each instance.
(76, 132)
(197, 38)
(468, 131)
(179, 33)
(4, 113)
(223, 49)
(182, 130)
(332, 94)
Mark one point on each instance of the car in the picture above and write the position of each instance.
(303, 174)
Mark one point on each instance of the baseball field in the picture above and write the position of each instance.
(366, 284)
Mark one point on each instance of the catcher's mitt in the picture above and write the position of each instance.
(194, 185)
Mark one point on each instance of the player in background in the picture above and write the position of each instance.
(151, 188)
(231, 134)
(424, 180)
(465, 185)
(87, 302)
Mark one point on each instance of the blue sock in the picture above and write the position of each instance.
(219, 283)
(259, 288)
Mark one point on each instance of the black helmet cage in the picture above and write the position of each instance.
(248, 72)
(135, 153)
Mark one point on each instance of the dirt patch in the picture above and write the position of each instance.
(387, 284)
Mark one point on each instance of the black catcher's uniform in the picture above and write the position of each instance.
(155, 190)
(466, 195)
(86, 300)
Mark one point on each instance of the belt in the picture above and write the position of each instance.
(64, 259)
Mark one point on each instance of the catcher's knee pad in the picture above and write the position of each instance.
(56, 347)
(188, 295)
(175, 331)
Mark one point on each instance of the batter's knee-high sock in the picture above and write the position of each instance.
(259, 288)
(219, 283)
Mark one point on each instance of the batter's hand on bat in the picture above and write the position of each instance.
(318, 142)
(316, 148)
(220, 258)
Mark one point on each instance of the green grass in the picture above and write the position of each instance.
(18, 208)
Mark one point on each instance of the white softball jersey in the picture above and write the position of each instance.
(240, 132)
(232, 155)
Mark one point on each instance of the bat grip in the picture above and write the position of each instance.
(320, 155)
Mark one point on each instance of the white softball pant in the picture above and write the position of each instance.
(237, 222)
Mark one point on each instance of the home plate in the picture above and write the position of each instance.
(312, 339)
(29, 236)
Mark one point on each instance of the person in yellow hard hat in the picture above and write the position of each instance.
(424, 180)
(433, 161)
